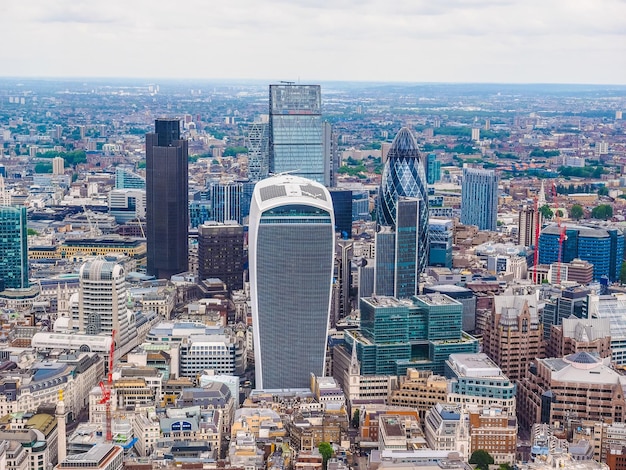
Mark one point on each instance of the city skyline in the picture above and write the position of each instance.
(455, 41)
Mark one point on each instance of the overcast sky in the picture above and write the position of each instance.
(518, 41)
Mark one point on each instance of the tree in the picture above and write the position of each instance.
(602, 212)
(603, 191)
(482, 459)
(576, 212)
(546, 212)
(327, 452)
(31, 231)
(356, 417)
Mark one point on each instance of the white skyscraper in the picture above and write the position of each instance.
(291, 246)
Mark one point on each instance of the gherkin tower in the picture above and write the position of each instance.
(404, 175)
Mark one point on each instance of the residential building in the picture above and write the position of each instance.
(167, 212)
(404, 176)
(528, 221)
(479, 198)
(291, 245)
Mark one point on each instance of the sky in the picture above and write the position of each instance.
(493, 41)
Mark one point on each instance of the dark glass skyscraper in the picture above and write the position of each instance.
(404, 175)
(296, 134)
(167, 212)
(291, 254)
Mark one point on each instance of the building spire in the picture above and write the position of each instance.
(541, 198)
(355, 367)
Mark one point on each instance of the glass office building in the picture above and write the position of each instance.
(296, 140)
(404, 175)
(291, 255)
(602, 247)
(14, 248)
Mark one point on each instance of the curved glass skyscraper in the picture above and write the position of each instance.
(291, 253)
(404, 175)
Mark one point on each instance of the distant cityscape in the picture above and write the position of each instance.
(320, 276)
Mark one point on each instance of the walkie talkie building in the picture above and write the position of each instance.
(291, 252)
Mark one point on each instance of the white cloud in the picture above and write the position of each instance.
(407, 40)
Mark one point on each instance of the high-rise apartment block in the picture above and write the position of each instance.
(404, 176)
(291, 255)
(257, 142)
(14, 248)
(167, 211)
(220, 253)
(296, 135)
(58, 166)
(527, 223)
(479, 198)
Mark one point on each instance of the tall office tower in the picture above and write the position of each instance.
(14, 248)
(102, 298)
(342, 305)
(433, 169)
(331, 155)
(126, 179)
(291, 254)
(342, 207)
(257, 142)
(296, 136)
(404, 175)
(406, 279)
(58, 166)
(479, 198)
(226, 201)
(167, 205)
(526, 226)
(220, 253)
(385, 255)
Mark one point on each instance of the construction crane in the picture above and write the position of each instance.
(562, 233)
(106, 390)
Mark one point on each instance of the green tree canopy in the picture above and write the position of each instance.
(234, 151)
(602, 212)
(546, 212)
(327, 452)
(577, 212)
(482, 459)
(356, 417)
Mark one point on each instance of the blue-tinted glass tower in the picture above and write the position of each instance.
(602, 247)
(14, 248)
(296, 135)
(407, 252)
(404, 175)
(479, 198)
(291, 256)
(433, 169)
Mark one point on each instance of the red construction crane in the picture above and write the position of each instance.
(536, 253)
(106, 390)
(562, 233)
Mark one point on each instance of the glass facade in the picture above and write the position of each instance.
(479, 198)
(342, 206)
(433, 169)
(604, 248)
(296, 142)
(14, 248)
(407, 255)
(226, 201)
(404, 175)
(291, 267)
(257, 142)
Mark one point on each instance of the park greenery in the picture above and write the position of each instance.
(581, 172)
(577, 212)
(71, 158)
(234, 151)
(602, 212)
